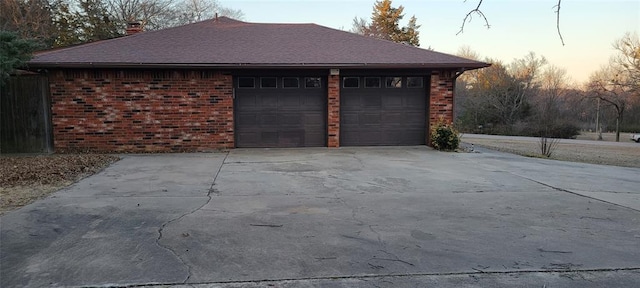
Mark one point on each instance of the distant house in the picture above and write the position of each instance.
(223, 83)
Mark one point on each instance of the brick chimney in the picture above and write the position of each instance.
(134, 27)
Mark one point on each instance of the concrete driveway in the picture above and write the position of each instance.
(348, 217)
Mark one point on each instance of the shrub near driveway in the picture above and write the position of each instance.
(24, 179)
(444, 137)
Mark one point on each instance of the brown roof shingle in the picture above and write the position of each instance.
(224, 42)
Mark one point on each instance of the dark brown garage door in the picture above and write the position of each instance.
(382, 111)
(280, 111)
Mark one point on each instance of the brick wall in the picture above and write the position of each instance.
(141, 111)
(440, 99)
(333, 113)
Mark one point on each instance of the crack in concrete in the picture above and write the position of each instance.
(380, 241)
(397, 259)
(164, 225)
(373, 276)
(354, 212)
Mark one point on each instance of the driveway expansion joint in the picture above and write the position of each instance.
(571, 192)
(373, 276)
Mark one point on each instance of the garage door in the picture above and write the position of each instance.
(280, 111)
(389, 110)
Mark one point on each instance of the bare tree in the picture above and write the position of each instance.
(30, 19)
(191, 11)
(503, 96)
(231, 13)
(603, 85)
(359, 26)
(626, 62)
(478, 12)
(152, 14)
(524, 73)
(553, 83)
(158, 14)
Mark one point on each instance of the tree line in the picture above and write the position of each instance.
(530, 97)
(60, 23)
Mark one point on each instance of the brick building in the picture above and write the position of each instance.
(223, 83)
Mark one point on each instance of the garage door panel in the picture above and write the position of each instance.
(290, 119)
(292, 138)
(365, 137)
(248, 101)
(352, 102)
(312, 101)
(248, 137)
(348, 119)
(415, 118)
(291, 101)
(266, 100)
(370, 118)
(383, 116)
(370, 137)
(314, 119)
(393, 117)
(314, 137)
(394, 137)
(392, 101)
(415, 101)
(268, 138)
(281, 117)
(266, 120)
(247, 119)
(371, 101)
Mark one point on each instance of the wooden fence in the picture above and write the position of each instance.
(25, 115)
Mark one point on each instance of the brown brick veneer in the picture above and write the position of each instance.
(141, 111)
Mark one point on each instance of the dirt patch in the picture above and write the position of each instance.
(24, 179)
(591, 153)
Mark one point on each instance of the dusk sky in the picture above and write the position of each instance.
(589, 27)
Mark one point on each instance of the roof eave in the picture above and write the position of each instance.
(466, 66)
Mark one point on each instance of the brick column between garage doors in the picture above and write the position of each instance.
(333, 111)
(440, 99)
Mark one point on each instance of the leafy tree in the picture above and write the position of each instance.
(14, 52)
(385, 24)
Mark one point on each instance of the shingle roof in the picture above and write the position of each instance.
(224, 42)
